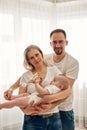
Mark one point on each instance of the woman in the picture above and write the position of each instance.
(34, 63)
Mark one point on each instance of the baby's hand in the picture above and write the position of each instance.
(34, 78)
(38, 80)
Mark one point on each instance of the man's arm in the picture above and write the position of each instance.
(57, 96)
(71, 82)
(60, 95)
(50, 101)
(40, 108)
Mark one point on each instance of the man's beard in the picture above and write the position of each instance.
(58, 51)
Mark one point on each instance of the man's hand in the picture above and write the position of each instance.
(29, 109)
(41, 108)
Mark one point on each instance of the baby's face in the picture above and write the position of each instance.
(56, 83)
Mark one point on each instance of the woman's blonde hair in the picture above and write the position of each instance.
(27, 63)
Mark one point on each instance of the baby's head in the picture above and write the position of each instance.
(61, 81)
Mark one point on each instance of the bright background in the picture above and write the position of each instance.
(24, 22)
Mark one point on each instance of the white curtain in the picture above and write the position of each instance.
(24, 22)
(73, 18)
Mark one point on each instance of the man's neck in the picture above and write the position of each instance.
(58, 58)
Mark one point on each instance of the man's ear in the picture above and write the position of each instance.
(66, 42)
(51, 44)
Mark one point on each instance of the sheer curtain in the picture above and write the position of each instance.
(24, 22)
(21, 23)
(73, 18)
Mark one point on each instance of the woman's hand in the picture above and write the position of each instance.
(8, 94)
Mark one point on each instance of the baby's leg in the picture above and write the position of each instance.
(19, 102)
(20, 95)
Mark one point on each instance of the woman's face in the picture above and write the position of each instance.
(35, 57)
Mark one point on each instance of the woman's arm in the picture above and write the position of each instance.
(8, 93)
(15, 85)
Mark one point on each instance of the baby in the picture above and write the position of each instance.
(59, 83)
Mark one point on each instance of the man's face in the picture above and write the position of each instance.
(58, 43)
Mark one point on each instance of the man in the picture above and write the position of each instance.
(69, 67)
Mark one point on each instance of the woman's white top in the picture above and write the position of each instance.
(52, 71)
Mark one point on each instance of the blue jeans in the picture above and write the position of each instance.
(42, 123)
(67, 119)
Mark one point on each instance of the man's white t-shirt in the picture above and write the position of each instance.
(69, 67)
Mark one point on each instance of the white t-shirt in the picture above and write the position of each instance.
(69, 67)
(52, 71)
